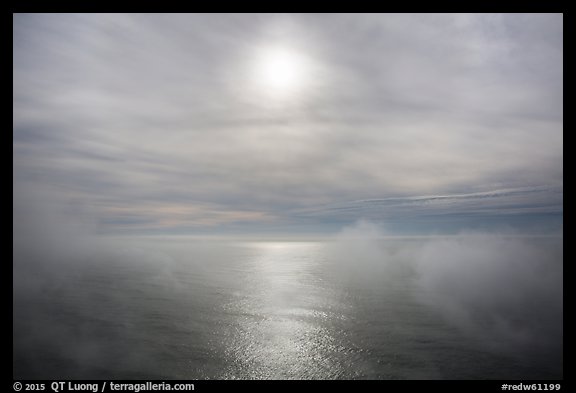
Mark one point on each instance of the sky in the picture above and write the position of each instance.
(287, 123)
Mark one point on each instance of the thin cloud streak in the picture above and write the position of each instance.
(505, 201)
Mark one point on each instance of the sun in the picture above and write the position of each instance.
(280, 72)
(280, 69)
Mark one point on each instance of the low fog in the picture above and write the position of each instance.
(500, 289)
(507, 290)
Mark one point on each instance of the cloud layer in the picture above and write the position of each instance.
(157, 122)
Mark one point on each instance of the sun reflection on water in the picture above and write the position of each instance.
(283, 328)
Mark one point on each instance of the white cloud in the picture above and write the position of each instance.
(148, 109)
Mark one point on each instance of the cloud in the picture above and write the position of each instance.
(124, 110)
(507, 201)
(511, 207)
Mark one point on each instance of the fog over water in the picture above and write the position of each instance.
(355, 305)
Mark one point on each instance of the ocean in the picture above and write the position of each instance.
(172, 308)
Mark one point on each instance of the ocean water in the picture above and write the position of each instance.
(177, 309)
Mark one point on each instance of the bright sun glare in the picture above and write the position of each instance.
(280, 72)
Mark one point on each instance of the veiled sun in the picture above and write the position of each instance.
(280, 72)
